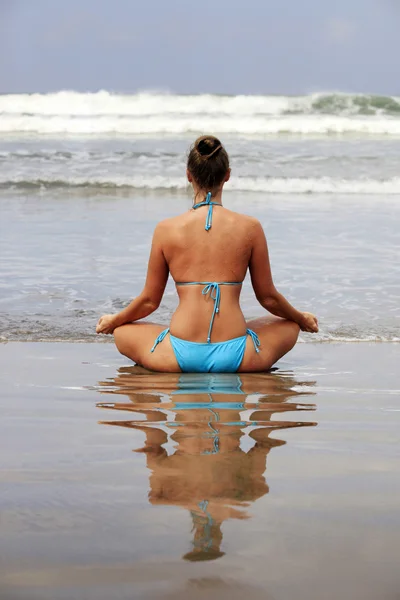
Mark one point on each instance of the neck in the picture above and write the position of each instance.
(200, 196)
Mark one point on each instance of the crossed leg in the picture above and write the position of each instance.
(277, 337)
(136, 340)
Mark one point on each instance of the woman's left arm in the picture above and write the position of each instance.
(149, 299)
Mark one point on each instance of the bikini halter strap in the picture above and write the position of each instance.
(207, 202)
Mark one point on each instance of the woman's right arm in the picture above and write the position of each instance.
(149, 299)
(265, 290)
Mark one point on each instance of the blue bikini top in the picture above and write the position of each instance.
(210, 287)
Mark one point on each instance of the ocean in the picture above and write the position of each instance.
(84, 178)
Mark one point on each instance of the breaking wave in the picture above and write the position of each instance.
(104, 113)
(272, 185)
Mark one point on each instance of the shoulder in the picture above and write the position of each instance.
(252, 222)
(167, 227)
(252, 225)
(160, 233)
(171, 223)
(164, 226)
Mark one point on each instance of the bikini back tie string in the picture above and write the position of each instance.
(212, 288)
(207, 202)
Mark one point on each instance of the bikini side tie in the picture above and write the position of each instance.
(255, 339)
(160, 338)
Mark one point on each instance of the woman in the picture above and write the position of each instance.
(208, 250)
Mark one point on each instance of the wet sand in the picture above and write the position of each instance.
(117, 483)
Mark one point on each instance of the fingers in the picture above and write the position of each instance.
(106, 330)
(101, 326)
(312, 323)
(311, 326)
(104, 326)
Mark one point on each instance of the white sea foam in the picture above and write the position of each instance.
(356, 339)
(324, 185)
(141, 104)
(102, 113)
(247, 125)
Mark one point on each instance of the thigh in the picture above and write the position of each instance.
(136, 340)
(277, 337)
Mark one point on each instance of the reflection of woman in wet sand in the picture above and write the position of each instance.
(208, 251)
(211, 473)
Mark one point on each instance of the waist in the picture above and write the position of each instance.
(215, 283)
(212, 291)
(191, 319)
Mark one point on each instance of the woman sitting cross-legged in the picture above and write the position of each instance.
(208, 250)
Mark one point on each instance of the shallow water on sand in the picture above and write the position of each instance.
(68, 258)
(122, 484)
(207, 439)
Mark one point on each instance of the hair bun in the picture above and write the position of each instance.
(207, 147)
(208, 163)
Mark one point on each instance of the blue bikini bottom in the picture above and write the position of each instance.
(220, 357)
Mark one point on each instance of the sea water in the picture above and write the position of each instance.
(84, 178)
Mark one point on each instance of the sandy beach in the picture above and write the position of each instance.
(121, 484)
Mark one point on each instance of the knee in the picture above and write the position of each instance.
(293, 330)
(120, 338)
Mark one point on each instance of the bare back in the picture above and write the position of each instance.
(221, 254)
